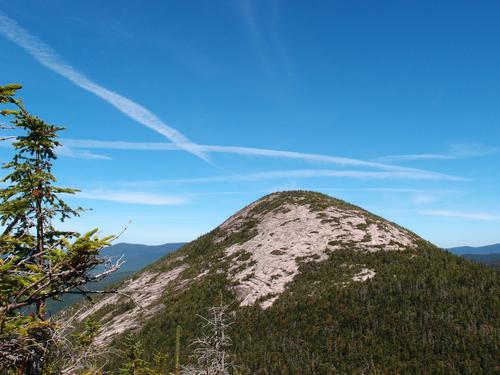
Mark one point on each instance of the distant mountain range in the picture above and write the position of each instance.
(136, 258)
(489, 255)
(490, 249)
(492, 260)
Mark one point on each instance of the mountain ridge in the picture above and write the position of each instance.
(136, 256)
(488, 249)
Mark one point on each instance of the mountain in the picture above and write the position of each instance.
(489, 255)
(492, 260)
(490, 249)
(315, 286)
(136, 257)
(139, 256)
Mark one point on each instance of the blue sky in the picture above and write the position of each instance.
(180, 113)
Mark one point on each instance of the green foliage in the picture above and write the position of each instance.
(37, 261)
(177, 349)
(134, 364)
(7, 94)
(92, 326)
(424, 312)
(160, 362)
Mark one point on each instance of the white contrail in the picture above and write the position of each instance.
(311, 173)
(455, 151)
(248, 151)
(409, 157)
(303, 174)
(46, 56)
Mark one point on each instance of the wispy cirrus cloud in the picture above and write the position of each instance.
(456, 151)
(132, 197)
(246, 11)
(460, 214)
(49, 58)
(238, 150)
(425, 198)
(303, 174)
(267, 43)
(392, 190)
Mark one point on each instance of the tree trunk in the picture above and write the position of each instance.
(40, 305)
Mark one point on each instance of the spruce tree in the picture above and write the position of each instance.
(37, 261)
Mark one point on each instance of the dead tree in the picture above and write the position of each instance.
(211, 348)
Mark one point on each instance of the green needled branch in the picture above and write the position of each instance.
(37, 261)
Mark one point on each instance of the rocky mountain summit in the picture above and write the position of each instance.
(290, 229)
(315, 285)
(263, 246)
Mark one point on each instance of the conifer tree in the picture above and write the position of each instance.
(37, 261)
(134, 364)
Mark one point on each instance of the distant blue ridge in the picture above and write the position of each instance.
(490, 249)
(138, 256)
